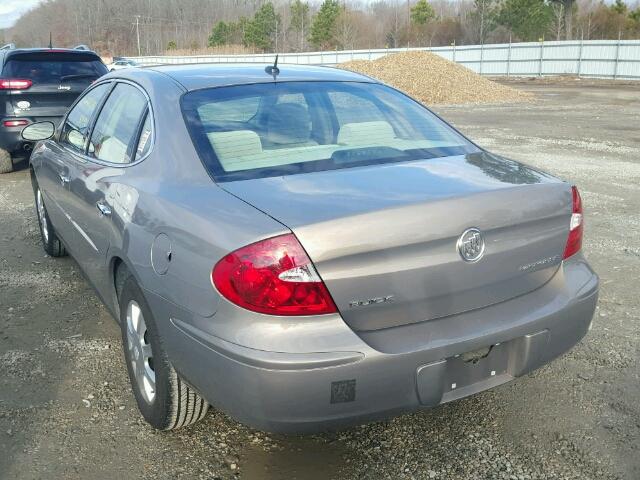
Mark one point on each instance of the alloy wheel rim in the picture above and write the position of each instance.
(42, 217)
(140, 354)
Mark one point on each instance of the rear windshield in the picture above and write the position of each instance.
(54, 68)
(284, 128)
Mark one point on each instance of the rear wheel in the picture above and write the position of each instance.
(50, 241)
(164, 400)
(6, 164)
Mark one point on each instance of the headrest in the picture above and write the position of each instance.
(364, 133)
(233, 146)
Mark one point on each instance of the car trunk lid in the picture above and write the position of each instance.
(384, 238)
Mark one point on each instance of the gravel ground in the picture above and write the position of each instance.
(66, 410)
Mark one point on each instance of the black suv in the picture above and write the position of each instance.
(39, 84)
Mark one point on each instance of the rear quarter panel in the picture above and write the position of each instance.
(170, 194)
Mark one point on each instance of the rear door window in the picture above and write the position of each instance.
(118, 125)
(76, 126)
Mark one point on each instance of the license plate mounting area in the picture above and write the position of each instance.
(480, 369)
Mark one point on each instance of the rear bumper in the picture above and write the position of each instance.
(305, 392)
(10, 138)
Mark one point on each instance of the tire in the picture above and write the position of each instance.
(50, 241)
(164, 400)
(6, 164)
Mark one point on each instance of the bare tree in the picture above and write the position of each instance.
(558, 19)
(567, 9)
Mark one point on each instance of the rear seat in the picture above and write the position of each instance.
(230, 146)
(242, 149)
(365, 133)
(380, 133)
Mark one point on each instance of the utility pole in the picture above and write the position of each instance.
(408, 22)
(138, 33)
(483, 4)
(302, 34)
(395, 30)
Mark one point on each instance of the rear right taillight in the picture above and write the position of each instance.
(15, 84)
(274, 276)
(574, 240)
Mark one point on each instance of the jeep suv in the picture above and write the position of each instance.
(39, 84)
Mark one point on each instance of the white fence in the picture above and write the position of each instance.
(618, 59)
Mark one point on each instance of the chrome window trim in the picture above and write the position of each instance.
(84, 156)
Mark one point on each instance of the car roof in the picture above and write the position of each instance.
(196, 76)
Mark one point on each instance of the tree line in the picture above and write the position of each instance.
(122, 27)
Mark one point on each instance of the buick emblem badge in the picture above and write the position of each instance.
(471, 245)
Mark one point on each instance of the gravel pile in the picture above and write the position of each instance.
(435, 80)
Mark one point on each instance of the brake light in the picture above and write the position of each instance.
(14, 84)
(273, 276)
(15, 123)
(574, 240)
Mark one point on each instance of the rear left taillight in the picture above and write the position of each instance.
(15, 84)
(274, 276)
(574, 240)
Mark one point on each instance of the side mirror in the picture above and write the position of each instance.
(38, 131)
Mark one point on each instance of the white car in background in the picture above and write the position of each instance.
(122, 63)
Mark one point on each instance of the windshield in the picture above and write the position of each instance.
(54, 67)
(274, 129)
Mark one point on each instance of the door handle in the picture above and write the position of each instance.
(104, 209)
(63, 178)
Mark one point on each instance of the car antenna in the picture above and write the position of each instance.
(273, 69)
(50, 42)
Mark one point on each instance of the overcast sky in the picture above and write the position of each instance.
(10, 10)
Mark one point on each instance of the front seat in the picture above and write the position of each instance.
(288, 126)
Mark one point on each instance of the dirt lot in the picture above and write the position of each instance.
(66, 410)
